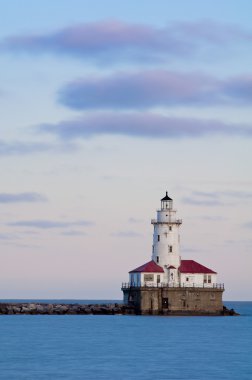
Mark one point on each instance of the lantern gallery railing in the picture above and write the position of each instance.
(127, 285)
(170, 220)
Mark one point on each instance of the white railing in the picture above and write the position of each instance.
(126, 285)
(176, 221)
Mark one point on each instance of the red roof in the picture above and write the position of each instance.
(150, 267)
(171, 267)
(191, 266)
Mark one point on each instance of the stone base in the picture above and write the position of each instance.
(171, 301)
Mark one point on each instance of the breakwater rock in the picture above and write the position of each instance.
(35, 308)
(60, 309)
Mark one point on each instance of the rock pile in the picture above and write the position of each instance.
(96, 309)
(59, 309)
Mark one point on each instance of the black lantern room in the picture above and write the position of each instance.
(166, 202)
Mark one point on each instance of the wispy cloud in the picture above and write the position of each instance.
(21, 197)
(8, 236)
(154, 88)
(248, 225)
(20, 148)
(135, 221)
(49, 224)
(114, 40)
(73, 233)
(201, 202)
(216, 198)
(126, 234)
(236, 194)
(213, 218)
(148, 124)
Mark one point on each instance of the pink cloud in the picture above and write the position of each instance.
(116, 40)
(152, 88)
(147, 124)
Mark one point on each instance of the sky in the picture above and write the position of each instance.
(105, 106)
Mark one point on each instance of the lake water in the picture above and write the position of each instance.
(127, 347)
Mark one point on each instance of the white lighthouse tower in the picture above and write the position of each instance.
(166, 241)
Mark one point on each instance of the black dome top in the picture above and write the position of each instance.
(166, 198)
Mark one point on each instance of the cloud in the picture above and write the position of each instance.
(213, 218)
(201, 202)
(115, 40)
(201, 198)
(216, 198)
(20, 148)
(21, 197)
(73, 233)
(237, 194)
(248, 225)
(154, 88)
(147, 124)
(215, 195)
(135, 221)
(49, 224)
(126, 234)
(142, 89)
(206, 194)
(6, 236)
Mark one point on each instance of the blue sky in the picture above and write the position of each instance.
(104, 106)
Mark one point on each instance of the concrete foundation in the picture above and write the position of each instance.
(169, 300)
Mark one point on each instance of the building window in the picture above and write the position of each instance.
(158, 237)
(148, 277)
(187, 279)
(165, 303)
(157, 259)
(153, 249)
(205, 278)
(158, 278)
(170, 248)
(209, 279)
(170, 228)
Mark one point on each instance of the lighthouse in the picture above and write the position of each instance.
(166, 240)
(167, 283)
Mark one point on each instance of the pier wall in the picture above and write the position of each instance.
(153, 300)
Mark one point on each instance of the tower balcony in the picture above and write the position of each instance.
(131, 285)
(168, 221)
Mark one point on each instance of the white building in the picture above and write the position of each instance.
(166, 267)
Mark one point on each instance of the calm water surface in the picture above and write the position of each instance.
(127, 347)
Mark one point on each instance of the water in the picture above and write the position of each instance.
(127, 347)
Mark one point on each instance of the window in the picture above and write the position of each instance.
(209, 279)
(153, 249)
(170, 248)
(187, 278)
(157, 259)
(205, 278)
(170, 228)
(165, 303)
(149, 277)
(158, 237)
(158, 278)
